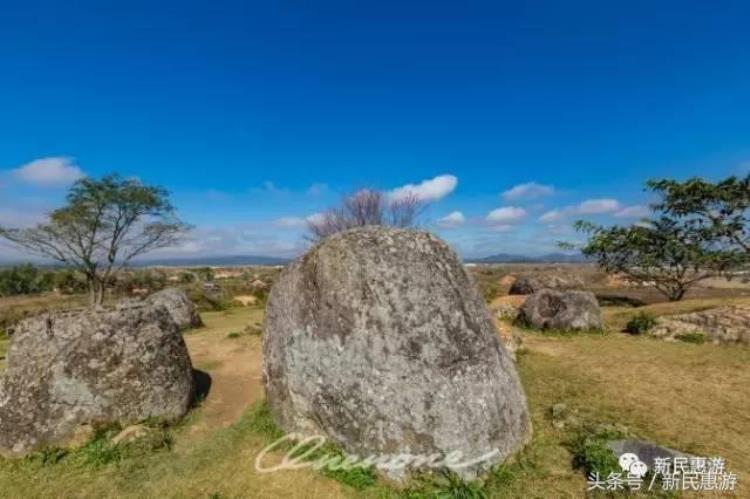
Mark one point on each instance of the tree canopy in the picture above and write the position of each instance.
(720, 210)
(699, 230)
(662, 253)
(104, 224)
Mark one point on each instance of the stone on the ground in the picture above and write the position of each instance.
(561, 310)
(378, 339)
(526, 285)
(506, 312)
(130, 434)
(180, 307)
(67, 371)
(729, 325)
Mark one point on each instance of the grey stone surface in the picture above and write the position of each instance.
(730, 325)
(561, 310)
(67, 371)
(378, 339)
(526, 285)
(179, 305)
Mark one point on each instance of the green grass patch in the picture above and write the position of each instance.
(695, 338)
(640, 323)
(590, 451)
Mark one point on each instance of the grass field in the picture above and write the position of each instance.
(691, 397)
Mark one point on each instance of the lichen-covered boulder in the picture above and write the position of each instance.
(561, 310)
(180, 307)
(378, 339)
(526, 285)
(728, 325)
(68, 371)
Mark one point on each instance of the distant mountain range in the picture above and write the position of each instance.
(213, 261)
(548, 258)
(245, 260)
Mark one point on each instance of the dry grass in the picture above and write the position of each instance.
(691, 397)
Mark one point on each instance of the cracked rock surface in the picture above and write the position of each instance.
(70, 370)
(378, 340)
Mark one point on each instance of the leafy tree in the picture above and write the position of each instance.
(664, 253)
(366, 207)
(70, 281)
(103, 226)
(187, 277)
(720, 210)
(204, 274)
(24, 280)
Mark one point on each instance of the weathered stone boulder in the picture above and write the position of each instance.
(526, 285)
(67, 371)
(378, 339)
(718, 325)
(561, 310)
(180, 307)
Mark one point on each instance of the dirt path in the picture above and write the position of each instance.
(233, 364)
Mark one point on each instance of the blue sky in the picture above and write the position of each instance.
(257, 115)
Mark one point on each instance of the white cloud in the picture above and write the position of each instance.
(12, 217)
(552, 216)
(453, 219)
(502, 228)
(54, 171)
(506, 214)
(635, 211)
(298, 222)
(427, 190)
(315, 218)
(289, 222)
(529, 190)
(597, 207)
(235, 240)
(560, 229)
(588, 207)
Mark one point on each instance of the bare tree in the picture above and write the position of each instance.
(104, 225)
(366, 207)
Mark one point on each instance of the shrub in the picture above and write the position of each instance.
(590, 451)
(69, 282)
(25, 279)
(696, 338)
(640, 324)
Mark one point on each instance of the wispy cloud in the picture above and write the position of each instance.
(529, 190)
(317, 188)
(506, 214)
(297, 222)
(289, 222)
(48, 172)
(588, 207)
(597, 207)
(453, 219)
(427, 190)
(635, 211)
